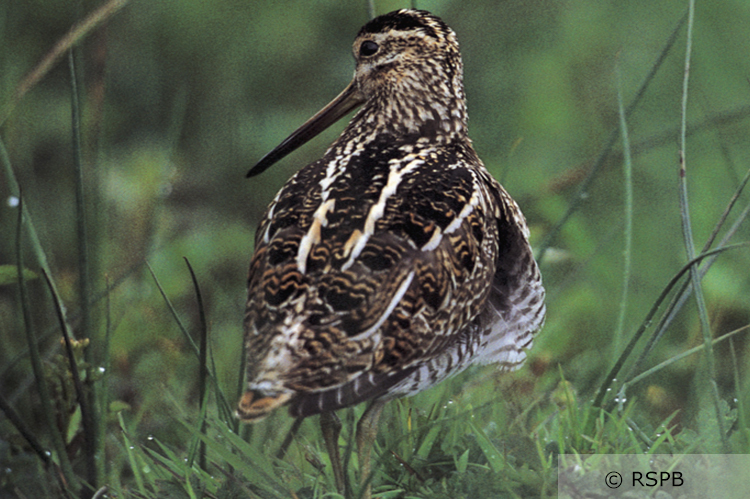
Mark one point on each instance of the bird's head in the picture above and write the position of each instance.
(408, 80)
(409, 73)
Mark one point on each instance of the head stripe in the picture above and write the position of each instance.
(403, 20)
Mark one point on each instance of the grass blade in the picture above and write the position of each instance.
(88, 412)
(15, 190)
(132, 458)
(172, 310)
(238, 454)
(742, 419)
(36, 364)
(88, 397)
(492, 453)
(686, 289)
(602, 158)
(426, 446)
(628, 231)
(688, 238)
(203, 361)
(196, 350)
(650, 315)
(76, 34)
(105, 372)
(677, 358)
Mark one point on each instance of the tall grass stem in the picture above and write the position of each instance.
(33, 236)
(63, 45)
(612, 374)
(627, 165)
(682, 295)
(602, 158)
(203, 360)
(84, 292)
(71, 481)
(687, 233)
(81, 396)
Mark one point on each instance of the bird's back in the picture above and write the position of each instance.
(391, 263)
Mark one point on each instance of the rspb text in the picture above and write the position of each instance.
(683, 476)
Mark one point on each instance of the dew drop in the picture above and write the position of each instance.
(13, 201)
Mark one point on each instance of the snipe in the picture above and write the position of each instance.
(395, 260)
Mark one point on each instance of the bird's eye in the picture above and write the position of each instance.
(368, 48)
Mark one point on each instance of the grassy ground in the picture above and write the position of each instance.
(126, 158)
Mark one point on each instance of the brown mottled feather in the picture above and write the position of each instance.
(395, 260)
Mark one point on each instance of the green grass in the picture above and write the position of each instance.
(126, 233)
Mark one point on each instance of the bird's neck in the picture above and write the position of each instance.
(406, 118)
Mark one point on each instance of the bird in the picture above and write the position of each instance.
(395, 260)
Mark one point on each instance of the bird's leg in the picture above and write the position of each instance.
(330, 424)
(289, 438)
(367, 431)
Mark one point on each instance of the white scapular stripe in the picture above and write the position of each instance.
(391, 306)
(434, 241)
(467, 209)
(377, 210)
(313, 235)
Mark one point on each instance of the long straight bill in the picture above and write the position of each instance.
(334, 111)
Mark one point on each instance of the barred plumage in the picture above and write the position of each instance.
(395, 260)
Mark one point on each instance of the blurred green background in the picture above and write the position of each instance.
(180, 99)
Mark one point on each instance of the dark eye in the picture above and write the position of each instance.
(368, 48)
